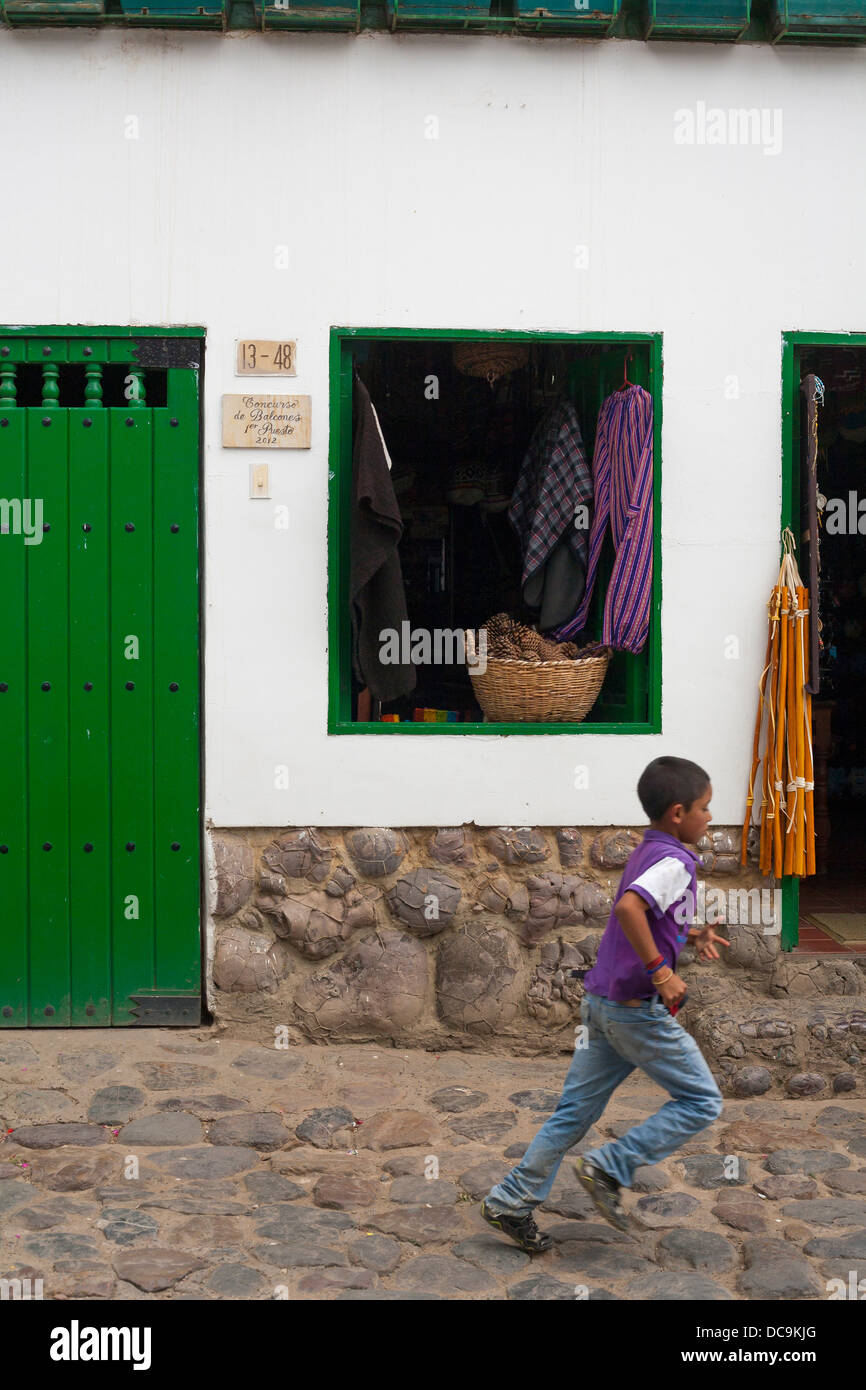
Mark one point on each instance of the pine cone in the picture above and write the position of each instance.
(502, 636)
(506, 637)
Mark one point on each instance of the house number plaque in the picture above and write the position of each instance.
(263, 357)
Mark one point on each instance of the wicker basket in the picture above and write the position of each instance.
(543, 692)
(490, 360)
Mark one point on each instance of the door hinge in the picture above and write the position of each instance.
(160, 1010)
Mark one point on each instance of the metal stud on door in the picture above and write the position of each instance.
(99, 680)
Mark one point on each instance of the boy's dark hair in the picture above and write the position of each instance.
(670, 780)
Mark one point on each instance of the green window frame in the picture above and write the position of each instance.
(822, 21)
(646, 371)
(699, 19)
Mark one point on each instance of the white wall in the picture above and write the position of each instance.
(250, 141)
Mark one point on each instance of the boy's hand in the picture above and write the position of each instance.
(672, 991)
(704, 943)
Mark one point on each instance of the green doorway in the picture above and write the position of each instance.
(100, 838)
(820, 913)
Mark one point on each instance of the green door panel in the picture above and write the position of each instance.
(47, 640)
(89, 716)
(14, 877)
(100, 854)
(176, 689)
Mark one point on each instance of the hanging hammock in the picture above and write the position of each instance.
(784, 772)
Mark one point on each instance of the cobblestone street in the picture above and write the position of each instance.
(194, 1165)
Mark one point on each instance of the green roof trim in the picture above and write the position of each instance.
(721, 21)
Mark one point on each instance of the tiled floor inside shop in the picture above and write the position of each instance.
(841, 889)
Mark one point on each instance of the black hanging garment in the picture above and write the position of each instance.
(376, 593)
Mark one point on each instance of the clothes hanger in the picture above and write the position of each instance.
(629, 357)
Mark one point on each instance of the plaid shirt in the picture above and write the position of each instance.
(554, 480)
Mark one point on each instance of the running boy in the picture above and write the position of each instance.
(627, 1020)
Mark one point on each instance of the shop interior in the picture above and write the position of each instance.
(832, 915)
(456, 440)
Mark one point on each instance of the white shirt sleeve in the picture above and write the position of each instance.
(664, 882)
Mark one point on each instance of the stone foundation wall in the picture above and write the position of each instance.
(465, 938)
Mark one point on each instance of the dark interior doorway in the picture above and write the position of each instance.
(832, 904)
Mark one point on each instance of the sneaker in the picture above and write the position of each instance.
(522, 1230)
(604, 1191)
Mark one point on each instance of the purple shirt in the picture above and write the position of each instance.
(662, 871)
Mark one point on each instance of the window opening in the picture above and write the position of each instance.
(456, 443)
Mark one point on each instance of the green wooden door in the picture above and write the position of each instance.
(99, 680)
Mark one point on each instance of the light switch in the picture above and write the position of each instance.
(259, 480)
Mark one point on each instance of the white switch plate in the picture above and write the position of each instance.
(260, 485)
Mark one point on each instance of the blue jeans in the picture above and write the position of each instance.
(620, 1038)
